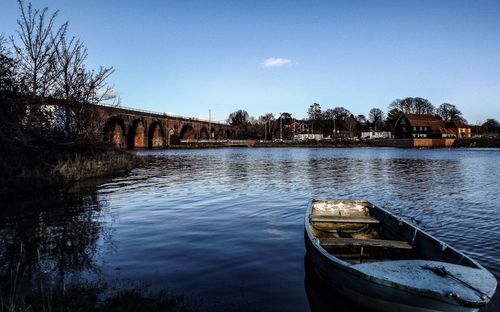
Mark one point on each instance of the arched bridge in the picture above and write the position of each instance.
(131, 128)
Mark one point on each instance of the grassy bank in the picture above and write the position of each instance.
(37, 151)
(29, 167)
(102, 164)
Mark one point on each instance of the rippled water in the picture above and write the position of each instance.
(224, 227)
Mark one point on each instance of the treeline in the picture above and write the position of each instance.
(341, 123)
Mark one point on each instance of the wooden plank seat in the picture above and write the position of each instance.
(345, 219)
(348, 242)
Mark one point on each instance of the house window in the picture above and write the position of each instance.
(414, 128)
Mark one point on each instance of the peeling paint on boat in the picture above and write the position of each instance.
(338, 207)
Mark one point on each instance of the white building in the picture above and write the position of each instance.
(376, 135)
(307, 136)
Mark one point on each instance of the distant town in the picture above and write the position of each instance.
(411, 117)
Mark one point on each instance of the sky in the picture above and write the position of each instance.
(186, 57)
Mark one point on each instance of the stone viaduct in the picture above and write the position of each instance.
(132, 128)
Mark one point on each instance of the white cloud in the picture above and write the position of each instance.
(276, 62)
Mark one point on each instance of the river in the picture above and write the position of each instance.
(224, 227)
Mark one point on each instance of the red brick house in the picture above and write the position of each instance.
(410, 126)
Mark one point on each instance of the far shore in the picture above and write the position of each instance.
(459, 143)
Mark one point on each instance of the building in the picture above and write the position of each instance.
(295, 127)
(459, 128)
(308, 136)
(376, 135)
(410, 126)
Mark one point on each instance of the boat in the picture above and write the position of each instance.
(383, 263)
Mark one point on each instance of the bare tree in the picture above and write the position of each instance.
(238, 118)
(449, 112)
(341, 113)
(423, 106)
(403, 105)
(8, 74)
(71, 55)
(36, 49)
(266, 117)
(376, 116)
(92, 89)
(52, 64)
(413, 105)
(351, 124)
(491, 125)
(70, 58)
(314, 111)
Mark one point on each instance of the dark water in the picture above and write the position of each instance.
(224, 227)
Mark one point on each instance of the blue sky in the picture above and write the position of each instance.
(186, 57)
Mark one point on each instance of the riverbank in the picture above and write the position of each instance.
(477, 142)
(314, 143)
(38, 152)
(402, 143)
(261, 143)
(59, 165)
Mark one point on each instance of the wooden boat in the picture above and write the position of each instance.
(383, 263)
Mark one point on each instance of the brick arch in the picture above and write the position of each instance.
(187, 132)
(114, 132)
(137, 134)
(170, 135)
(203, 135)
(156, 135)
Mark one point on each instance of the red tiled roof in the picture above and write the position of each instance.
(425, 120)
(446, 131)
(456, 124)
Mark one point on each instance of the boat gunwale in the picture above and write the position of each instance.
(351, 269)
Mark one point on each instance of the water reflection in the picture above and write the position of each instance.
(50, 240)
(226, 225)
(321, 296)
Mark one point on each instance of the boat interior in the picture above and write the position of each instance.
(357, 232)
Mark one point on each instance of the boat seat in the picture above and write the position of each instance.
(345, 219)
(347, 242)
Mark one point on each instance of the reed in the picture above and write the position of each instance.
(108, 163)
